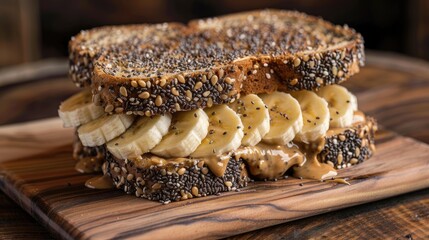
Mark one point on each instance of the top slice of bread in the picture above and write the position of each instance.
(154, 69)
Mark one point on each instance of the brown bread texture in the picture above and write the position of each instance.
(169, 67)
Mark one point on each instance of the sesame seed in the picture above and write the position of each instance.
(189, 94)
(158, 101)
(228, 80)
(162, 82)
(174, 91)
(123, 91)
(180, 78)
(206, 93)
(144, 95)
(294, 81)
(142, 83)
(177, 107)
(267, 75)
(340, 158)
(214, 80)
(210, 102)
(134, 83)
(198, 85)
(334, 70)
(357, 152)
(181, 171)
(220, 73)
(296, 62)
(130, 177)
(194, 191)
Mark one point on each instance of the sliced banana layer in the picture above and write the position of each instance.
(141, 137)
(186, 132)
(255, 118)
(286, 118)
(315, 114)
(341, 103)
(79, 109)
(225, 132)
(104, 129)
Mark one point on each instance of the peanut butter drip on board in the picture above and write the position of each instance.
(312, 168)
(270, 161)
(99, 182)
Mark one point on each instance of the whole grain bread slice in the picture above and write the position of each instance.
(154, 69)
(190, 178)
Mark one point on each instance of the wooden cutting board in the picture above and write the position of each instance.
(36, 170)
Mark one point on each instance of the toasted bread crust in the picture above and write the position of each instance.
(154, 69)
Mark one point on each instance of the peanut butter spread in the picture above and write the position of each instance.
(269, 161)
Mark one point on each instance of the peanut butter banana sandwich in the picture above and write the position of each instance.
(170, 112)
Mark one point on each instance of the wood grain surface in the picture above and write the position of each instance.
(388, 75)
(42, 179)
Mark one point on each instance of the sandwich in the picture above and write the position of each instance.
(170, 111)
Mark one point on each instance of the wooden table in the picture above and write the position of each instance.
(398, 98)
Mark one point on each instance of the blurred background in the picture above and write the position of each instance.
(31, 30)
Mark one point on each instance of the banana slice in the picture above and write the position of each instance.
(225, 132)
(79, 109)
(255, 118)
(286, 118)
(141, 137)
(186, 132)
(342, 105)
(315, 114)
(104, 129)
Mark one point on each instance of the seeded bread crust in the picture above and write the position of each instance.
(194, 179)
(353, 146)
(154, 69)
(174, 182)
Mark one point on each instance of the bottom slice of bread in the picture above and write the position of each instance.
(175, 181)
(165, 180)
